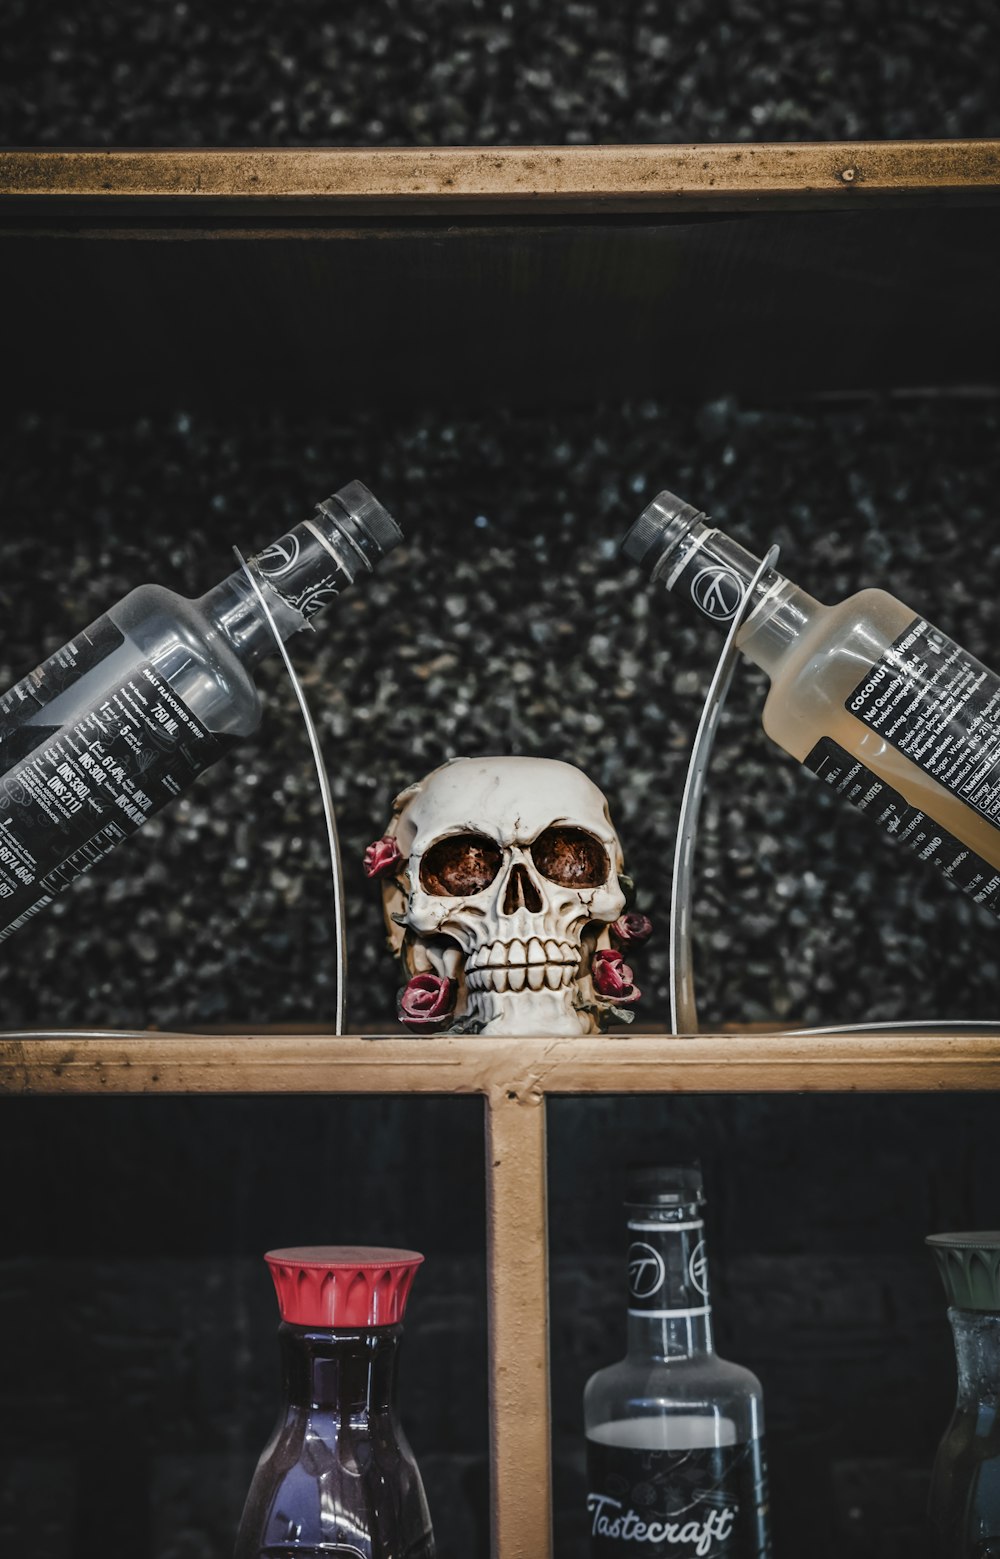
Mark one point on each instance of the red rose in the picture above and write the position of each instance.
(381, 857)
(613, 978)
(426, 1000)
(631, 930)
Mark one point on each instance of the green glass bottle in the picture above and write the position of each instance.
(964, 1510)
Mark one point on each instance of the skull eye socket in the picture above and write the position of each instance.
(571, 857)
(460, 865)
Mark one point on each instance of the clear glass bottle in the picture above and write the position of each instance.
(675, 1435)
(122, 719)
(337, 1479)
(964, 1510)
(889, 712)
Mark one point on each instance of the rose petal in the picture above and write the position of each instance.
(381, 857)
(611, 975)
(426, 1001)
(631, 929)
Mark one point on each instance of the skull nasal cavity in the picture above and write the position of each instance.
(521, 892)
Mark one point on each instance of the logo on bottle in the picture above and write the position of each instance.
(279, 557)
(698, 1269)
(646, 1270)
(623, 1527)
(717, 592)
(314, 600)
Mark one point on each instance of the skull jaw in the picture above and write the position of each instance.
(529, 1013)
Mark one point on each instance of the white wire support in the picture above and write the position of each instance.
(683, 1007)
(326, 796)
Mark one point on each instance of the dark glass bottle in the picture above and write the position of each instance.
(127, 714)
(964, 1512)
(337, 1479)
(675, 1435)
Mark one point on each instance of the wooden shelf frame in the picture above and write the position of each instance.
(628, 197)
(571, 271)
(452, 180)
(514, 1077)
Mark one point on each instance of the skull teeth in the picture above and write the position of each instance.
(500, 966)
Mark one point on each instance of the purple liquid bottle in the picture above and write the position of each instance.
(337, 1479)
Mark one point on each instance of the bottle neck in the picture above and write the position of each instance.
(669, 1311)
(235, 612)
(301, 573)
(714, 572)
(977, 1353)
(347, 1374)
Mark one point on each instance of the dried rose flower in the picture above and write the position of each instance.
(426, 1001)
(631, 929)
(381, 857)
(613, 978)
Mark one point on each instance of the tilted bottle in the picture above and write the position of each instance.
(675, 1435)
(337, 1479)
(889, 712)
(964, 1510)
(120, 720)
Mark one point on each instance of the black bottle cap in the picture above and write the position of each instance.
(660, 526)
(969, 1264)
(664, 1185)
(356, 512)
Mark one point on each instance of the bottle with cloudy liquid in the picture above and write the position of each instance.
(675, 1435)
(889, 712)
(121, 719)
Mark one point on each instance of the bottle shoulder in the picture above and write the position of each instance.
(720, 1402)
(820, 670)
(329, 1475)
(701, 1366)
(173, 634)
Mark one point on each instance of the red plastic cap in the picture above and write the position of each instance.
(342, 1285)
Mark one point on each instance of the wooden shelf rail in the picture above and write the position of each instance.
(514, 1077)
(451, 180)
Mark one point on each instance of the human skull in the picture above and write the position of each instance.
(508, 882)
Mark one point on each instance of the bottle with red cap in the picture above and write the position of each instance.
(337, 1479)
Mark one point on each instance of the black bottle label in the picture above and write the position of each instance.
(698, 1504)
(303, 567)
(667, 1268)
(20, 726)
(714, 571)
(70, 792)
(940, 707)
(907, 826)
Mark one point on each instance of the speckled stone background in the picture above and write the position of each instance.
(507, 623)
(142, 1377)
(433, 72)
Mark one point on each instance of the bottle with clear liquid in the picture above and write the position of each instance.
(889, 712)
(964, 1509)
(675, 1435)
(121, 719)
(337, 1479)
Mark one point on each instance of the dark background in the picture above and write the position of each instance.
(139, 1376)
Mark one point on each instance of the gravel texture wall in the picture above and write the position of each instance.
(435, 72)
(507, 623)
